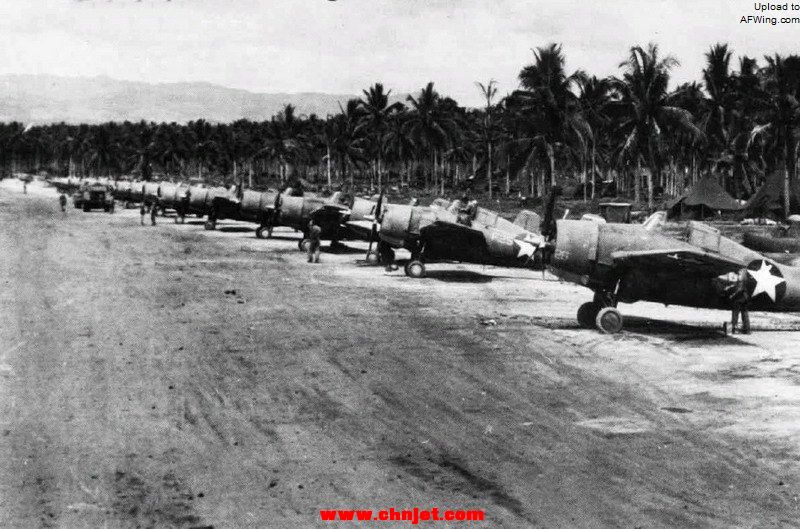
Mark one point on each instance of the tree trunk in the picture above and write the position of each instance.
(583, 177)
(328, 166)
(489, 167)
(508, 174)
(594, 169)
(786, 182)
(637, 181)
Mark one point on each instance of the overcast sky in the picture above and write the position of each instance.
(343, 46)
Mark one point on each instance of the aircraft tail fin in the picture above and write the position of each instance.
(654, 221)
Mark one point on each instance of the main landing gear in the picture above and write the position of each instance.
(415, 268)
(384, 254)
(264, 232)
(601, 313)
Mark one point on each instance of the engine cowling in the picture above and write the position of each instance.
(575, 250)
(395, 225)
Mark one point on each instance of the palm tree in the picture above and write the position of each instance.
(594, 97)
(430, 125)
(489, 91)
(376, 112)
(646, 111)
(349, 138)
(547, 111)
(782, 83)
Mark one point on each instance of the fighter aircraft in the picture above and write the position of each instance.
(201, 198)
(625, 263)
(270, 209)
(174, 197)
(436, 234)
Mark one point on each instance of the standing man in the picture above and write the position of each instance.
(62, 201)
(153, 212)
(25, 187)
(314, 235)
(142, 212)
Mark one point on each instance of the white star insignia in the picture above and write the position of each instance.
(526, 249)
(765, 281)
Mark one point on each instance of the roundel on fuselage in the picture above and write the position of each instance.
(764, 280)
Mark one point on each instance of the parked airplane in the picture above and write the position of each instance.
(271, 209)
(436, 234)
(625, 263)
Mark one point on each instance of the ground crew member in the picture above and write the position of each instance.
(62, 200)
(314, 235)
(142, 212)
(153, 212)
(734, 288)
(24, 187)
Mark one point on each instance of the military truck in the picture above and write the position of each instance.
(94, 196)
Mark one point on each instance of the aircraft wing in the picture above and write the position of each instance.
(329, 213)
(362, 228)
(454, 236)
(695, 262)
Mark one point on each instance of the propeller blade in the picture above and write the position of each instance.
(379, 209)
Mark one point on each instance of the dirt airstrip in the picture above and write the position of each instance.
(172, 377)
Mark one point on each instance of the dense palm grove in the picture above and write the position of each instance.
(629, 135)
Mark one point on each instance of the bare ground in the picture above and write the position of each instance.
(172, 377)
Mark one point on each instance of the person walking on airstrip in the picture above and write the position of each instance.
(314, 235)
(142, 213)
(62, 201)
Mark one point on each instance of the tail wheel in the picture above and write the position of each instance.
(415, 269)
(609, 320)
(304, 244)
(587, 315)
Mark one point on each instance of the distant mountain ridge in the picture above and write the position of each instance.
(42, 99)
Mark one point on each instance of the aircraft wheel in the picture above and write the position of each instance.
(373, 258)
(210, 225)
(415, 269)
(587, 314)
(609, 320)
(304, 244)
(263, 232)
(86, 207)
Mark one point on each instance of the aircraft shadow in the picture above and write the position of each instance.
(458, 276)
(677, 331)
(233, 229)
(282, 238)
(342, 250)
(682, 331)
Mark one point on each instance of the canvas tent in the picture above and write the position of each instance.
(704, 198)
(768, 197)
